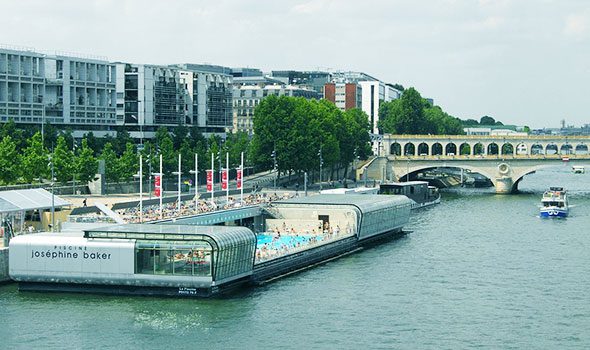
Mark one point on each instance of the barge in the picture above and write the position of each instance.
(172, 259)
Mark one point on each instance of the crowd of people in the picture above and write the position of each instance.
(171, 210)
(287, 240)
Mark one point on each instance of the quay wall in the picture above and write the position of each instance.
(4, 265)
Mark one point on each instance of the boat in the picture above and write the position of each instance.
(421, 194)
(554, 203)
(578, 169)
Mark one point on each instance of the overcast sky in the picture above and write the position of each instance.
(523, 62)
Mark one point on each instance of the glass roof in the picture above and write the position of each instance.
(222, 235)
(364, 202)
(24, 200)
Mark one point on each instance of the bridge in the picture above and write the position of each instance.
(505, 160)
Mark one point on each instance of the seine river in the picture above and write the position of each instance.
(478, 271)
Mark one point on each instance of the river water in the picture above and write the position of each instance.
(478, 271)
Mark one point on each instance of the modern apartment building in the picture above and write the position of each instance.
(77, 92)
(249, 91)
(373, 94)
(314, 80)
(344, 95)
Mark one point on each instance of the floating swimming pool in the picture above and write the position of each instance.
(289, 241)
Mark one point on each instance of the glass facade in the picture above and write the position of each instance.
(218, 252)
(173, 258)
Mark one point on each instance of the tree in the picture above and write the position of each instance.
(121, 140)
(128, 164)
(9, 162)
(110, 162)
(34, 160)
(180, 134)
(85, 164)
(93, 143)
(62, 161)
(485, 120)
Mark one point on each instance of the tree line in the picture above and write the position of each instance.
(299, 135)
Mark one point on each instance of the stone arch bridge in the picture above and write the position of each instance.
(505, 160)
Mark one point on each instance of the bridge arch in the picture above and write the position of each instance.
(507, 148)
(566, 148)
(437, 149)
(551, 149)
(395, 149)
(451, 149)
(581, 148)
(478, 149)
(521, 149)
(492, 149)
(537, 148)
(465, 149)
(409, 149)
(423, 149)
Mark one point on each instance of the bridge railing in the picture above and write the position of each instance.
(485, 137)
(492, 156)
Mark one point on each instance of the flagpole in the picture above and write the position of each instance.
(161, 188)
(196, 180)
(242, 179)
(212, 178)
(140, 189)
(179, 178)
(227, 178)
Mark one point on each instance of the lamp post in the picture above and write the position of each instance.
(52, 193)
(179, 179)
(196, 172)
(321, 163)
(274, 167)
(140, 176)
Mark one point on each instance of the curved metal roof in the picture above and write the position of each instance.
(223, 236)
(364, 202)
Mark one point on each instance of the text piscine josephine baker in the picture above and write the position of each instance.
(52, 254)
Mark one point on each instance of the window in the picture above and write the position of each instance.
(168, 258)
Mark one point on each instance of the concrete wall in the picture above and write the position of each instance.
(4, 265)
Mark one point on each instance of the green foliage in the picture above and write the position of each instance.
(411, 114)
(34, 160)
(62, 161)
(8, 160)
(111, 162)
(485, 120)
(297, 129)
(128, 164)
(85, 164)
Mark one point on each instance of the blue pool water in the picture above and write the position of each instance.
(290, 241)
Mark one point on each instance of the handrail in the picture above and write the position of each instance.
(484, 137)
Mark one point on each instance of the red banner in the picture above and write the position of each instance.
(224, 179)
(157, 192)
(209, 181)
(239, 178)
(157, 181)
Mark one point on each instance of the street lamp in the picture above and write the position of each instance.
(274, 167)
(52, 194)
(196, 172)
(321, 163)
(140, 176)
(179, 172)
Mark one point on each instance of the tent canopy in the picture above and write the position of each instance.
(31, 199)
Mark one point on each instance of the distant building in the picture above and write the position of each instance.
(314, 80)
(344, 95)
(373, 94)
(249, 91)
(494, 131)
(78, 92)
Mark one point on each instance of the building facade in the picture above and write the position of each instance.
(373, 94)
(344, 95)
(249, 91)
(36, 88)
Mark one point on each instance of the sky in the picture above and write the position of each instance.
(524, 62)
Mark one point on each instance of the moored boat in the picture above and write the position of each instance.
(419, 192)
(554, 203)
(578, 169)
